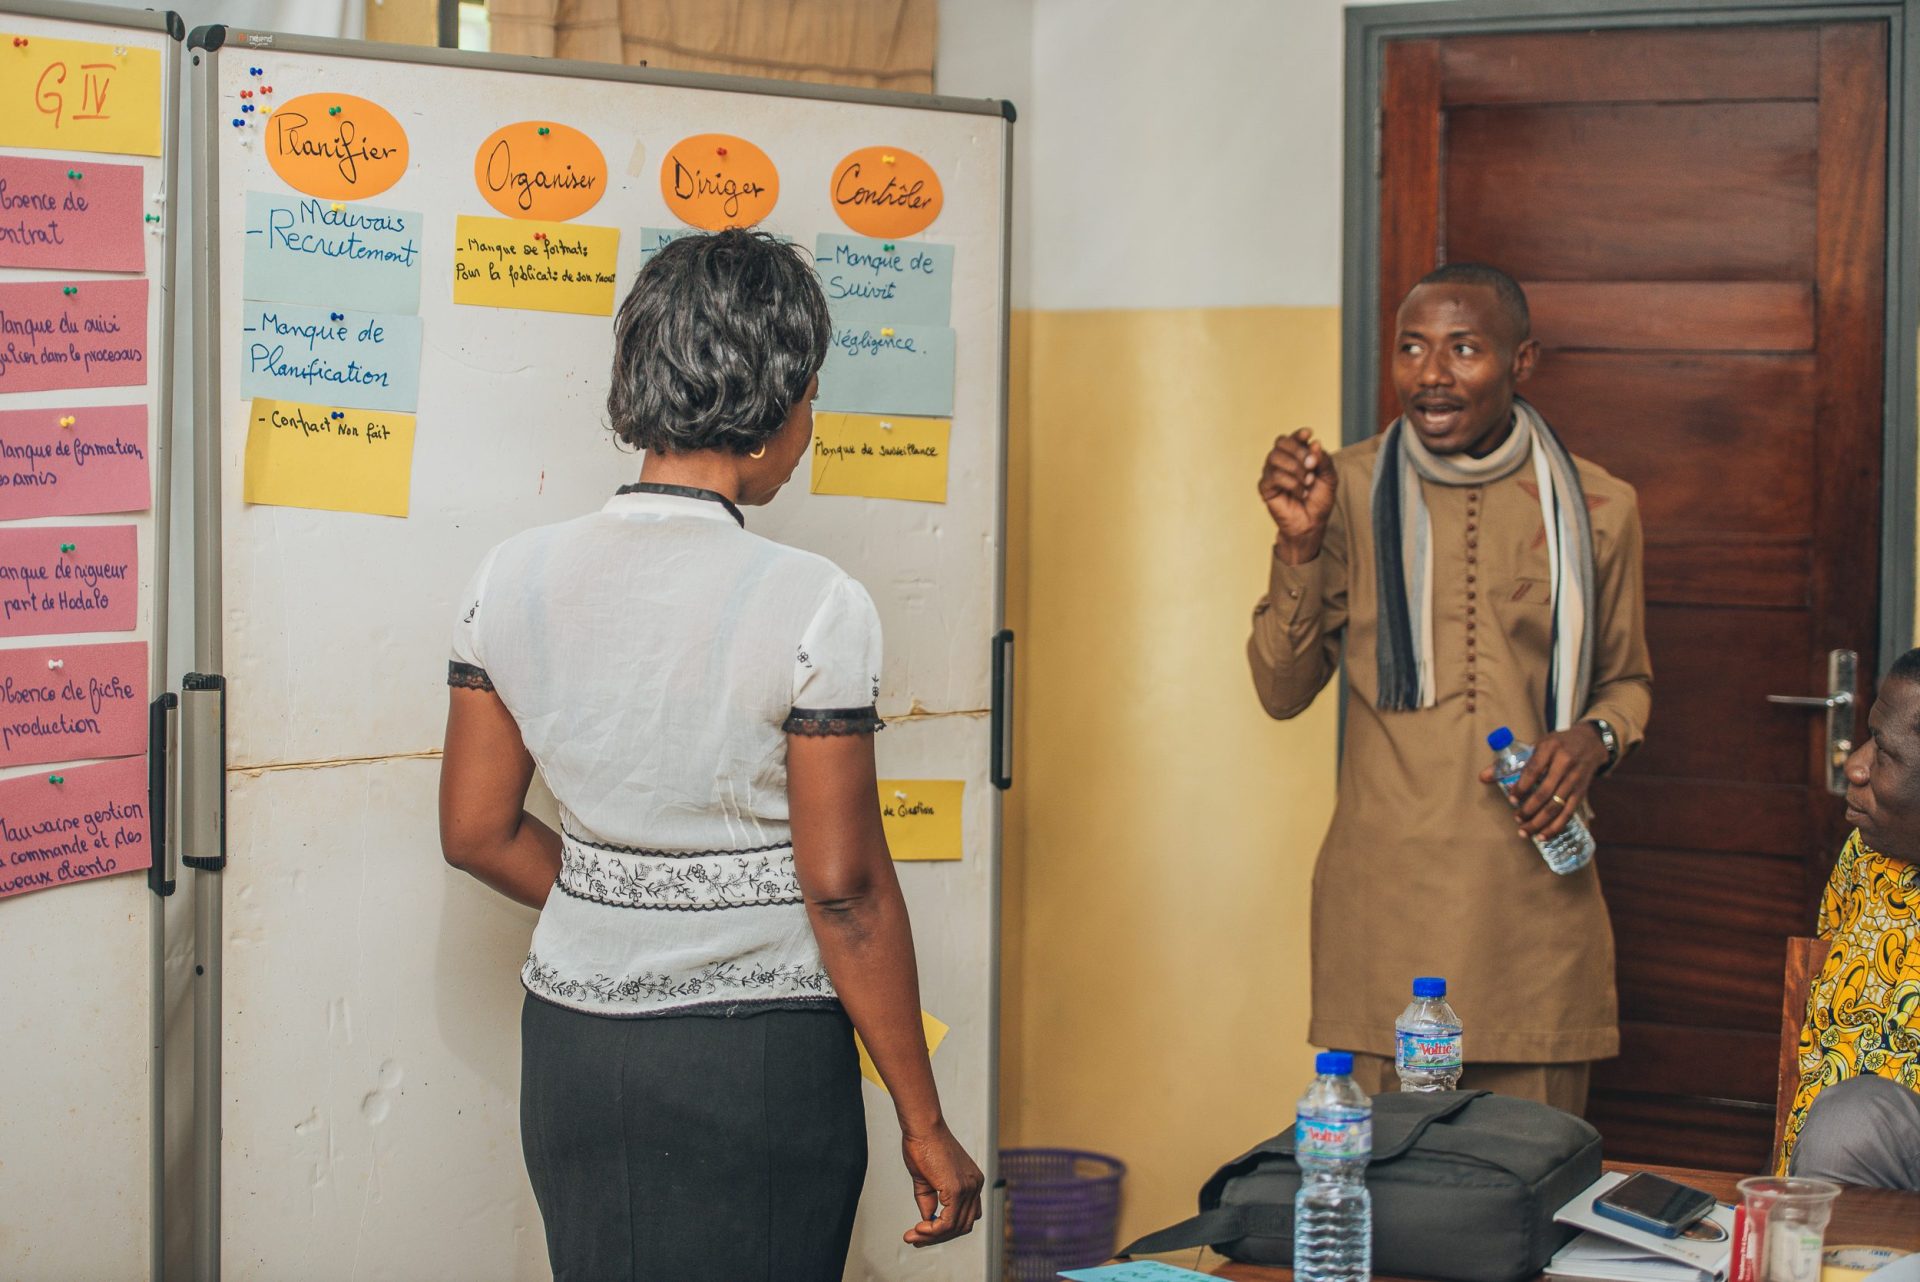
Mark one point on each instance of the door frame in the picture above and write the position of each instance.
(1369, 27)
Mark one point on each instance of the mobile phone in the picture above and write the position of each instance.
(1653, 1204)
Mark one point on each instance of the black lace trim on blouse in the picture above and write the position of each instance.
(685, 492)
(466, 676)
(672, 854)
(834, 721)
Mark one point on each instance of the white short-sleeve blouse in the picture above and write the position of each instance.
(655, 656)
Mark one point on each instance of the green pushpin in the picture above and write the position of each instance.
(69, 290)
(56, 778)
(887, 248)
(544, 131)
(66, 547)
(152, 218)
(333, 111)
(73, 173)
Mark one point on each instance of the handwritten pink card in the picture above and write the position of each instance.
(73, 333)
(68, 578)
(97, 462)
(91, 823)
(63, 702)
(49, 218)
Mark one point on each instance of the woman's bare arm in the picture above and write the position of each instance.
(484, 827)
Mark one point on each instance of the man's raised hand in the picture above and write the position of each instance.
(1298, 486)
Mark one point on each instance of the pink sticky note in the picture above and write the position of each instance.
(62, 702)
(97, 463)
(44, 588)
(92, 223)
(93, 823)
(93, 337)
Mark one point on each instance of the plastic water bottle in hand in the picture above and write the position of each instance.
(1426, 1041)
(1332, 1140)
(1572, 850)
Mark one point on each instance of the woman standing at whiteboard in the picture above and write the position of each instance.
(718, 910)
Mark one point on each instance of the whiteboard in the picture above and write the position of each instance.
(79, 1121)
(370, 1078)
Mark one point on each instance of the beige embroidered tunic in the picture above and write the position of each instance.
(1423, 871)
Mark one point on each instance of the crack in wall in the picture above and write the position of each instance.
(255, 770)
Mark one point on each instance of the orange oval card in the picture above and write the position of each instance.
(538, 169)
(336, 146)
(717, 181)
(884, 191)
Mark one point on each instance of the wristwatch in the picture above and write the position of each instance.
(1608, 740)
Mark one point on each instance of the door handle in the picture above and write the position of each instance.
(1842, 674)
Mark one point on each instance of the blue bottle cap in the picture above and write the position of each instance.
(1333, 1063)
(1500, 738)
(1430, 986)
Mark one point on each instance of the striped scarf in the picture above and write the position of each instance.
(1403, 555)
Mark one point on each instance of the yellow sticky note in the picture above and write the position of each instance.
(881, 456)
(536, 266)
(922, 817)
(935, 1032)
(329, 457)
(74, 95)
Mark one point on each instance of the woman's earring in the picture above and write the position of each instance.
(759, 453)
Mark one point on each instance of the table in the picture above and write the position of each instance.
(1867, 1217)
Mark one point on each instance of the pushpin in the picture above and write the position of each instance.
(333, 111)
(19, 42)
(544, 131)
(266, 88)
(339, 316)
(887, 159)
(66, 420)
(254, 70)
(73, 174)
(152, 218)
(887, 248)
(246, 93)
(66, 547)
(247, 108)
(719, 151)
(238, 123)
(69, 290)
(898, 795)
(337, 206)
(56, 778)
(887, 332)
(336, 414)
(120, 51)
(54, 665)
(885, 426)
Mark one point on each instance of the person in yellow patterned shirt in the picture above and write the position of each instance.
(1856, 1114)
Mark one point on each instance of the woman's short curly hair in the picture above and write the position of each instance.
(716, 343)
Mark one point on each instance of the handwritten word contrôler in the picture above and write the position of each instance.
(849, 190)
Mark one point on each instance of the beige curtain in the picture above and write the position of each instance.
(880, 44)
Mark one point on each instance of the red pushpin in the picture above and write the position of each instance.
(19, 42)
(246, 93)
(719, 151)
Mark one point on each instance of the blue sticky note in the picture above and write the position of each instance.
(1134, 1271)
(354, 258)
(885, 282)
(895, 369)
(651, 238)
(363, 360)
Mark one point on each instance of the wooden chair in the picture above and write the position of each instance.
(1805, 957)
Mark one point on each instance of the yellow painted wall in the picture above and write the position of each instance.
(1164, 832)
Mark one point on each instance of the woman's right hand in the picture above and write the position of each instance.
(946, 1184)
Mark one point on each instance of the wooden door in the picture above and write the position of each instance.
(1698, 216)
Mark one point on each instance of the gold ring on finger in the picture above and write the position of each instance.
(1558, 800)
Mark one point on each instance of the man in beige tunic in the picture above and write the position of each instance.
(1476, 576)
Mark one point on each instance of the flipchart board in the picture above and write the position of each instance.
(409, 264)
(87, 104)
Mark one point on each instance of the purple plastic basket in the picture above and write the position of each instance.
(1063, 1209)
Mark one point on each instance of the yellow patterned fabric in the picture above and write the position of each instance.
(1864, 1013)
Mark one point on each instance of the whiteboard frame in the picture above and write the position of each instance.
(204, 45)
(160, 388)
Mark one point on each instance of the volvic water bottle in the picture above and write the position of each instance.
(1426, 1040)
(1332, 1214)
(1572, 850)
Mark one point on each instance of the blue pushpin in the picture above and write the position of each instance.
(239, 123)
(339, 316)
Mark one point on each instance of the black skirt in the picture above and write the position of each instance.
(693, 1148)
